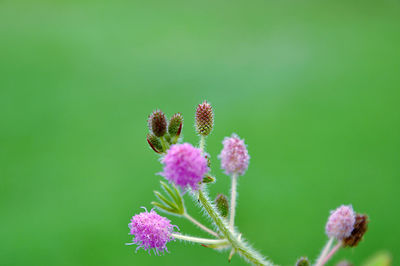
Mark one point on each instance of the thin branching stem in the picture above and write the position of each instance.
(233, 201)
(332, 252)
(200, 225)
(324, 252)
(200, 240)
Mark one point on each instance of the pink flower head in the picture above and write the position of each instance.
(151, 231)
(234, 156)
(184, 165)
(341, 222)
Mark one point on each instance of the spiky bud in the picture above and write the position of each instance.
(158, 123)
(204, 119)
(360, 227)
(303, 261)
(221, 201)
(175, 125)
(154, 143)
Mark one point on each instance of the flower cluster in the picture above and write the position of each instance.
(163, 133)
(187, 168)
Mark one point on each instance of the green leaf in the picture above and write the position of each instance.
(163, 207)
(168, 190)
(165, 200)
(180, 200)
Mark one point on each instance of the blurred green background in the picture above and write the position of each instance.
(312, 86)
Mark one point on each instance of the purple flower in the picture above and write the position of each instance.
(184, 165)
(341, 222)
(234, 156)
(151, 231)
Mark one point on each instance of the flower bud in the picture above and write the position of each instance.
(204, 119)
(208, 179)
(303, 261)
(158, 123)
(175, 125)
(221, 201)
(154, 143)
(360, 227)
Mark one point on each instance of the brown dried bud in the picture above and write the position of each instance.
(360, 227)
(154, 143)
(303, 261)
(158, 123)
(222, 205)
(204, 119)
(175, 125)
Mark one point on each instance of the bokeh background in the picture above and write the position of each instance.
(312, 86)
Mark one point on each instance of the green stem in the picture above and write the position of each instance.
(200, 240)
(233, 201)
(202, 144)
(200, 225)
(164, 144)
(243, 249)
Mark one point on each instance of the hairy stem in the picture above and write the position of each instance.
(200, 240)
(200, 225)
(202, 144)
(233, 201)
(324, 252)
(332, 252)
(164, 144)
(244, 250)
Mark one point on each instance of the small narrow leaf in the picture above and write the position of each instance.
(165, 200)
(169, 191)
(163, 207)
(179, 197)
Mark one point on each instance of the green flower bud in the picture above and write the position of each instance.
(158, 123)
(175, 125)
(154, 143)
(221, 201)
(303, 261)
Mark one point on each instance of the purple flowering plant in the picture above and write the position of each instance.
(187, 169)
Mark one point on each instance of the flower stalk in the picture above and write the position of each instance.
(324, 252)
(332, 252)
(233, 201)
(200, 240)
(243, 249)
(200, 225)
